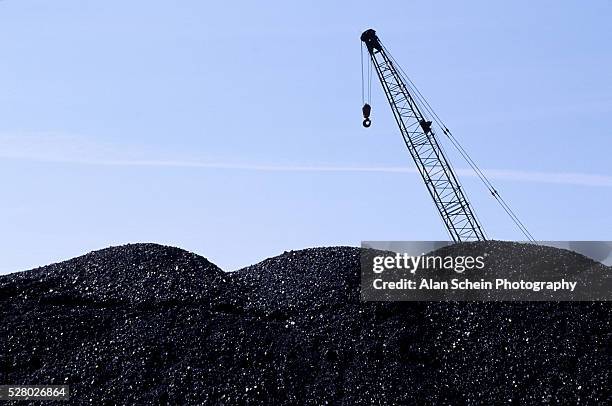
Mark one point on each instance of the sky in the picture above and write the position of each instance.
(233, 129)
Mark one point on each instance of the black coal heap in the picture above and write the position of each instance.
(145, 323)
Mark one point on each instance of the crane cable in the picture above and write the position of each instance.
(419, 97)
(369, 82)
(362, 86)
(366, 76)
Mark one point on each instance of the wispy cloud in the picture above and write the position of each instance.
(74, 150)
(499, 174)
(567, 178)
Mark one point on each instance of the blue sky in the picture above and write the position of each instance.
(233, 129)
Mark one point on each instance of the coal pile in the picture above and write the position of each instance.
(145, 323)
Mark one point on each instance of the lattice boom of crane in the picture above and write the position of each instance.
(440, 180)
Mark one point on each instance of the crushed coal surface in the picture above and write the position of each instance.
(146, 323)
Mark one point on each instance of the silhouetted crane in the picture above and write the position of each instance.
(410, 109)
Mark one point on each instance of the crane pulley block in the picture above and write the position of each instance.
(366, 109)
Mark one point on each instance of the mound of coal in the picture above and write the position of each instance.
(146, 323)
(141, 274)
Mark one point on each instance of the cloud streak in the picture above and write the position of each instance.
(72, 150)
(580, 179)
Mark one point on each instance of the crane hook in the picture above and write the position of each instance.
(366, 109)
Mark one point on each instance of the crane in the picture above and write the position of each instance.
(409, 109)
